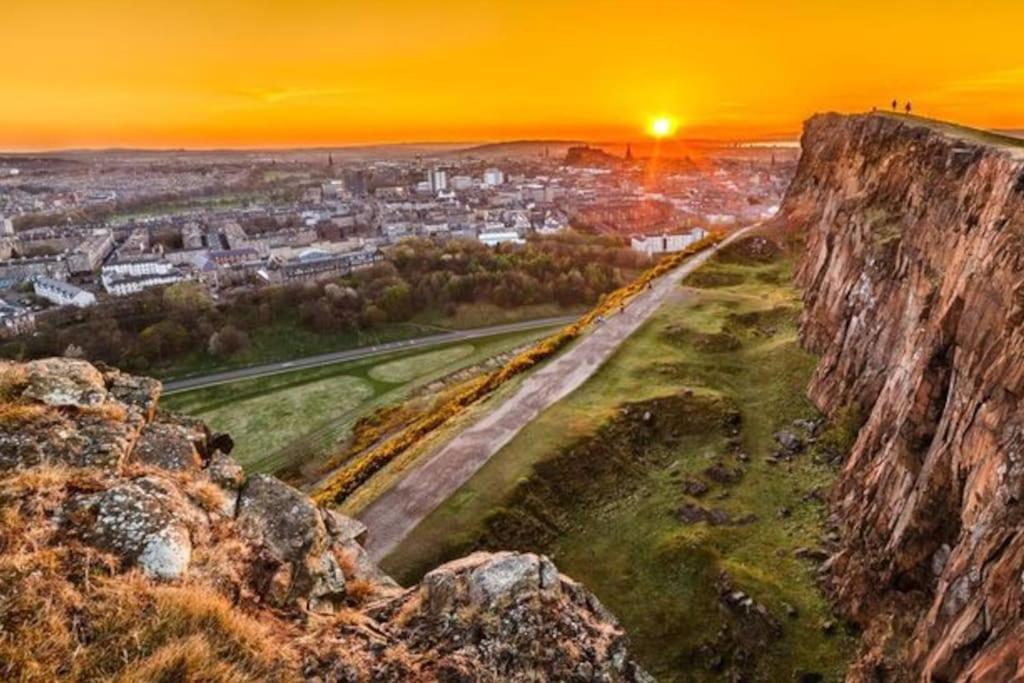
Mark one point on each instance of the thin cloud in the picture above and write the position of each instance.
(277, 96)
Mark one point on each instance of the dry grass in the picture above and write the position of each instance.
(113, 412)
(13, 379)
(20, 415)
(67, 614)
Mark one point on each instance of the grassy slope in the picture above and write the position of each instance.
(317, 407)
(655, 573)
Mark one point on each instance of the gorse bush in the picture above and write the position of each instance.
(350, 477)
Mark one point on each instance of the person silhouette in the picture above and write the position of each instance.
(908, 107)
(894, 105)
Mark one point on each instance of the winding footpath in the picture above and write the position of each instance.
(429, 482)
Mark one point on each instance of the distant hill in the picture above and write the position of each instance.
(516, 148)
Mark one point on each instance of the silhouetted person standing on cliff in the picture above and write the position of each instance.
(907, 108)
(894, 105)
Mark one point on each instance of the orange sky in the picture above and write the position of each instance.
(209, 73)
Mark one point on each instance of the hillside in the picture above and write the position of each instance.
(913, 281)
(134, 548)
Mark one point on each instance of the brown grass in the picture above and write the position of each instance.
(114, 412)
(13, 379)
(21, 415)
(67, 614)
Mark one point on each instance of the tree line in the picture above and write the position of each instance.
(420, 278)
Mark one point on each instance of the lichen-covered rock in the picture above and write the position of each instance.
(169, 446)
(288, 526)
(141, 392)
(100, 483)
(89, 439)
(913, 284)
(480, 614)
(64, 382)
(228, 475)
(346, 538)
(147, 522)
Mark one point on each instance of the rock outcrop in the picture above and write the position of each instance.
(913, 274)
(132, 546)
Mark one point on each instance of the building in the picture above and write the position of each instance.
(316, 263)
(15, 320)
(666, 244)
(122, 279)
(61, 293)
(494, 238)
(438, 180)
(6, 226)
(90, 254)
(493, 177)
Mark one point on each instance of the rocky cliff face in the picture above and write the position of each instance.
(133, 547)
(913, 275)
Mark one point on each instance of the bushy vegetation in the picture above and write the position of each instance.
(599, 487)
(362, 468)
(159, 328)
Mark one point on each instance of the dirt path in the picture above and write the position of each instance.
(434, 478)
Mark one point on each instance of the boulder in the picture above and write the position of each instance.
(91, 439)
(168, 446)
(140, 392)
(62, 382)
(288, 527)
(148, 522)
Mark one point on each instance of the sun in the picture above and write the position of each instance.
(662, 126)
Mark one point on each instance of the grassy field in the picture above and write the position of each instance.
(588, 485)
(286, 339)
(283, 420)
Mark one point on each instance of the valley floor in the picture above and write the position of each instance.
(657, 485)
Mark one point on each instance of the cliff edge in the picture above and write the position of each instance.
(913, 278)
(132, 547)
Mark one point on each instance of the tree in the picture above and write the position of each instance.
(396, 301)
(228, 341)
(164, 339)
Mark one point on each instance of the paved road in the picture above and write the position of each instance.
(189, 383)
(398, 510)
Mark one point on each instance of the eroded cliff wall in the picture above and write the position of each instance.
(913, 273)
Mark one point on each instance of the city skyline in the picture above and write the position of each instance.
(318, 74)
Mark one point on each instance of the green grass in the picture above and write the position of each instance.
(407, 369)
(292, 419)
(618, 534)
(286, 340)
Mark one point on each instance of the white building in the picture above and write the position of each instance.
(461, 182)
(495, 238)
(438, 179)
(493, 177)
(61, 293)
(6, 226)
(666, 244)
(122, 279)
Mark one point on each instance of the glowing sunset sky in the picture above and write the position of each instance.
(210, 73)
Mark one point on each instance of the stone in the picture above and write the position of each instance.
(168, 446)
(722, 474)
(288, 526)
(789, 441)
(147, 522)
(62, 382)
(694, 487)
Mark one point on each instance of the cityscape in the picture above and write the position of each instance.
(511, 342)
